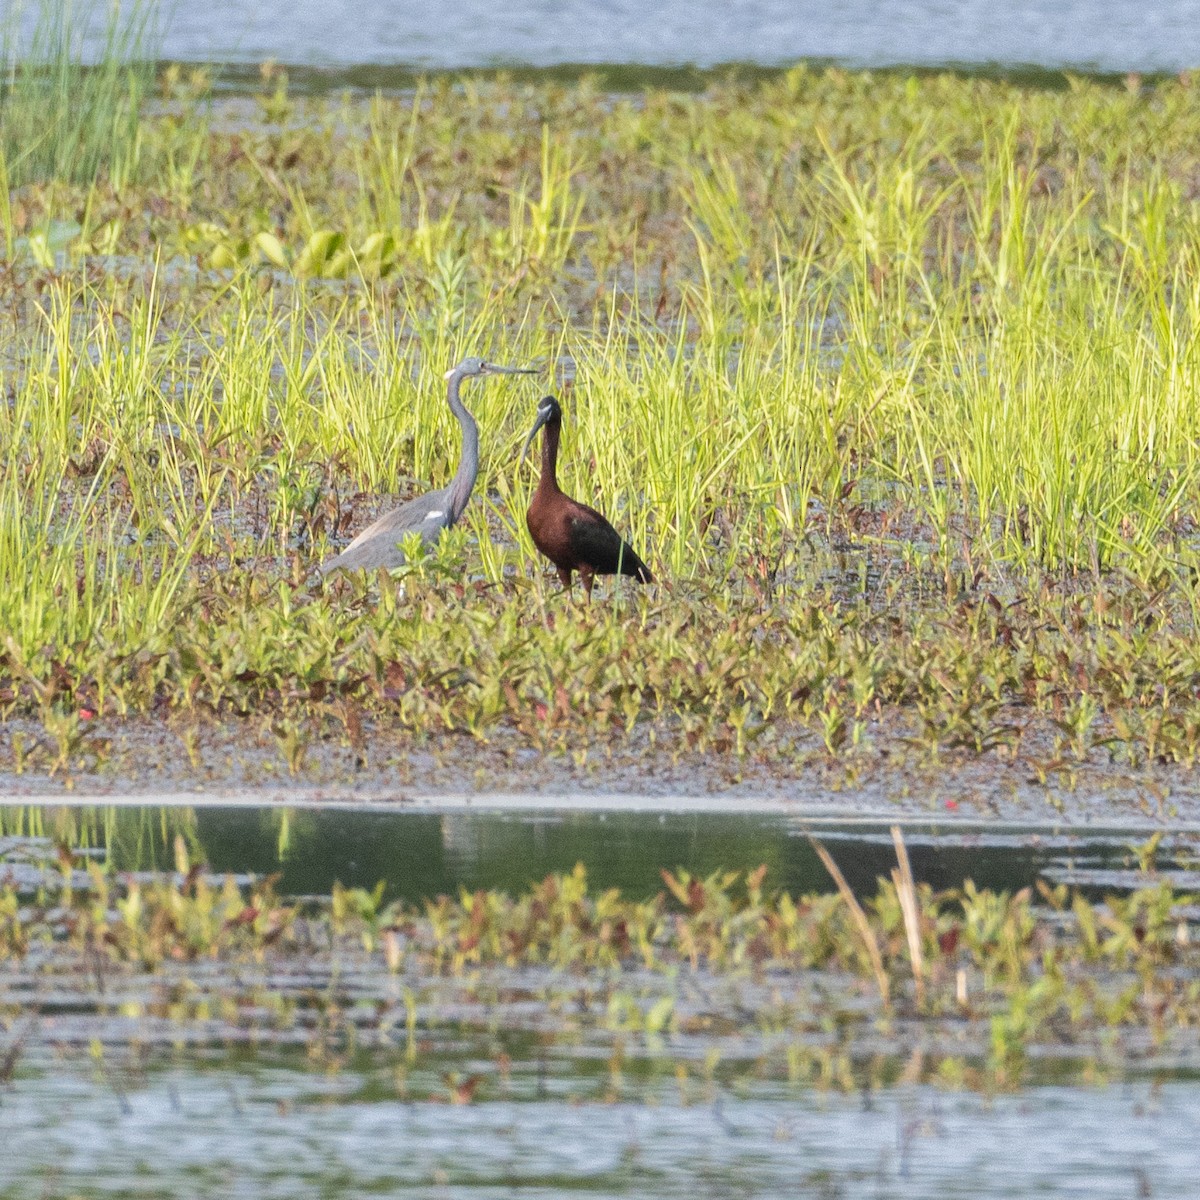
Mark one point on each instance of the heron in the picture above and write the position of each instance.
(378, 544)
(571, 535)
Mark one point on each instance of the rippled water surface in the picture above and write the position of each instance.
(1104, 35)
(247, 1135)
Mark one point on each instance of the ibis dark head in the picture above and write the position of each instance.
(475, 366)
(548, 410)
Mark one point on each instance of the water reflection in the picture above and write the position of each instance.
(219, 1133)
(420, 855)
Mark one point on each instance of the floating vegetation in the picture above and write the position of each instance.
(999, 975)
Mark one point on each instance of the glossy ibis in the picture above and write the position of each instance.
(571, 535)
(378, 544)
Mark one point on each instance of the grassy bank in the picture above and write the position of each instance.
(893, 379)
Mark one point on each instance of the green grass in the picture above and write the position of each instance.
(893, 380)
(64, 118)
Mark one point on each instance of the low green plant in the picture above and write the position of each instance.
(1016, 973)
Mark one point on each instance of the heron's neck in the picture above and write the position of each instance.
(468, 463)
(548, 481)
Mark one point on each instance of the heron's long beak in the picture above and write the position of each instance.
(511, 370)
(543, 417)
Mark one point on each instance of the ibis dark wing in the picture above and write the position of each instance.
(597, 544)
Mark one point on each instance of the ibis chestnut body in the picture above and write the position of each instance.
(571, 535)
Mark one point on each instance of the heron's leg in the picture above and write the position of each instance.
(564, 575)
(586, 576)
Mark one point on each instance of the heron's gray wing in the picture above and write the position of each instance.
(377, 545)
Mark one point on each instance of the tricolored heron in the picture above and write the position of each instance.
(377, 545)
(571, 535)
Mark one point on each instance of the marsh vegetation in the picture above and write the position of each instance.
(893, 379)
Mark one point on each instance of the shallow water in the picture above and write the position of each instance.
(1093, 35)
(245, 1133)
(324, 1075)
(420, 854)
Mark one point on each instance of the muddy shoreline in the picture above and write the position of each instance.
(145, 762)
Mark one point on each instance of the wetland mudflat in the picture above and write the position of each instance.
(807, 372)
(892, 379)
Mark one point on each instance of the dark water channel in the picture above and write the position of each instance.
(419, 855)
(422, 855)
